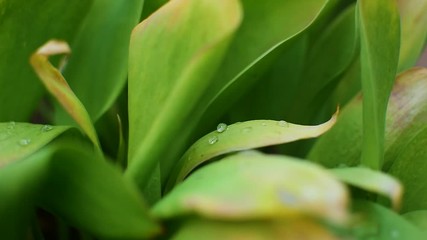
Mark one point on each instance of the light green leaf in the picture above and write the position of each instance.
(79, 187)
(372, 181)
(25, 25)
(251, 185)
(418, 218)
(18, 140)
(304, 228)
(414, 31)
(378, 222)
(243, 136)
(58, 86)
(380, 39)
(100, 55)
(173, 55)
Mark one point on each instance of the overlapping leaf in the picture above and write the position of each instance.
(251, 185)
(173, 55)
(243, 136)
(97, 69)
(254, 230)
(77, 186)
(25, 25)
(380, 40)
(59, 88)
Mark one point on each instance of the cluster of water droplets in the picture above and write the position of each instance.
(11, 128)
(222, 127)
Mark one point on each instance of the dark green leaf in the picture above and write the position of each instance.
(78, 186)
(100, 55)
(380, 39)
(25, 25)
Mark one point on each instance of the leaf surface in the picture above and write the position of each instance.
(25, 25)
(173, 55)
(79, 187)
(243, 136)
(18, 140)
(251, 185)
(379, 25)
(59, 88)
(97, 69)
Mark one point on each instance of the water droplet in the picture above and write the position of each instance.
(283, 123)
(247, 129)
(264, 124)
(287, 198)
(395, 234)
(221, 127)
(24, 141)
(213, 140)
(46, 128)
(11, 125)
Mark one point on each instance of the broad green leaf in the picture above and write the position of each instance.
(251, 185)
(378, 222)
(173, 55)
(79, 187)
(414, 31)
(406, 114)
(25, 25)
(329, 56)
(18, 140)
(243, 136)
(100, 55)
(58, 86)
(304, 228)
(418, 218)
(254, 49)
(372, 181)
(410, 167)
(380, 39)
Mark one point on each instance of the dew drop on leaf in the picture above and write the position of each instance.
(24, 141)
(46, 128)
(11, 125)
(247, 129)
(213, 140)
(222, 127)
(283, 123)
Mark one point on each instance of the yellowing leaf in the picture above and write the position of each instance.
(58, 87)
(251, 185)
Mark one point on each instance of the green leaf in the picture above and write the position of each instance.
(59, 88)
(410, 167)
(173, 55)
(372, 181)
(25, 25)
(254, 50)
(414, 31)
(418, 218)
(406, 114)
(329, 56)
(380, 39)
(251, 185)
(253, 230)
(243, 136)
(100, 55)
(378, 222)
(79, 187)
(18, 140)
